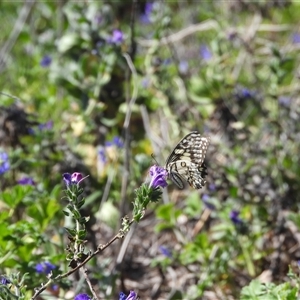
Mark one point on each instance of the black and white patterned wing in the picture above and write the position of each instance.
(186, 161)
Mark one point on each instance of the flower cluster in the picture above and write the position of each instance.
(158, 177)
(74, 178)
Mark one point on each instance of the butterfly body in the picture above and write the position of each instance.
(186, 162)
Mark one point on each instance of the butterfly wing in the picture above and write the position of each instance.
(186, 161)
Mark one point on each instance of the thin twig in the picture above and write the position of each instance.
(6, 49)
(173, 38)
(100, 248)
(84, 271)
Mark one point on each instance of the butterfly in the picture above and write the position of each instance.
(186, 162)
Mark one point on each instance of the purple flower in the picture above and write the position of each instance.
(4, 281)
(165, 251)
(146, 16)
(75, 178)
(145, 82)
(284, 101)
(234, 217)
(4, 162)
(296, 38)
(26, 181)
(205, 53)
(46, 61)
(159, 176)
(116, 141)
(167, 61)
(82, 297)
(245, 93)
(117, 37)
(44, 268)
(132, 296)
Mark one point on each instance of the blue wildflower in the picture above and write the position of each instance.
(205, 53)
(117, 37)
(183, 67)
(26, 181)
(4, 162)
(205, 199)
(212, 187)
(167, 61)
(122, 296)
(165, 251)
(44, 268)
(159, 176)
(145, 82)
(82, 297)
(46, 61)
(117, 142)
(46, 126)
(75, 178)
(132, 296)
(296, 38)
(234, 217)
(284, 101)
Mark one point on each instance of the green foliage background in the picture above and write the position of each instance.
(229, 69)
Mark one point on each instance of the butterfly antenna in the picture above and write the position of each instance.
(153, 157)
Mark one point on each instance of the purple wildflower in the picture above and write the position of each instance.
(159, 176)
(46, 61)
(82, 297)
(4, 162)
(146, 16)
(165, 251)
(117, 37)
(205, 53)
(234, 217)
(75, 178)
(26, 181)
(44, 268)
(4, 281)
(101, 155)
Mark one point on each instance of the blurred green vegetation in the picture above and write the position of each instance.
(76, 76)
